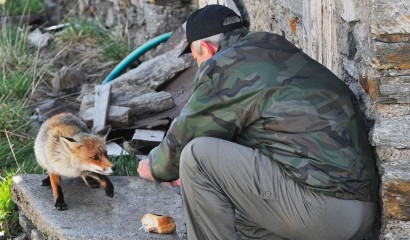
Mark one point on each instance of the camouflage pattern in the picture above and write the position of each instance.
(261, 91)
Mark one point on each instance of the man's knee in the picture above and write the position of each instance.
(198, 151)
(192, 151)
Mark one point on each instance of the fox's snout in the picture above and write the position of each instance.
(109, 170)
(102, 165)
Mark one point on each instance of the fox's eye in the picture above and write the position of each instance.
(95, 157)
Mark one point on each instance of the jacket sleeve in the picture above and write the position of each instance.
(205, 114)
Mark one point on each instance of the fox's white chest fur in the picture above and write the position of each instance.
(58, 161)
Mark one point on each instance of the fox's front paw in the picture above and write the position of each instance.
(60, 206)
(109, 192)
(46, 182)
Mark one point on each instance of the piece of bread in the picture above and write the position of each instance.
(158, 223)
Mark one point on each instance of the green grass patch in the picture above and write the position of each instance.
(83, 30)
(14, 48)
(16, 143)
(126, 165)
(114, 50)
(17, 74)
(20, 7)
(114, 46)
(8, 215)
(16, 83)
(16, 78)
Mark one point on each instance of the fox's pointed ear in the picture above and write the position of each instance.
(68, 143)
(104, 132)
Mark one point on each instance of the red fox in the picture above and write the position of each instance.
(65, 147)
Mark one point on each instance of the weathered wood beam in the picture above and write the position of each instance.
(148, 135)
(102, 96)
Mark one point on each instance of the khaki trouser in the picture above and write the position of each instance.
(227, 187)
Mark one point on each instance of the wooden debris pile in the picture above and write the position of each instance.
(138, 94)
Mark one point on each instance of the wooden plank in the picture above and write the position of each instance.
(320, 39)
(113, 149)
(306, 26)
(102, 100)
(332, 57)
(148, 135)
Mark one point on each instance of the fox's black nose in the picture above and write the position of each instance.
(113, 168)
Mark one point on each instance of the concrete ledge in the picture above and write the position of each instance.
(92, 215)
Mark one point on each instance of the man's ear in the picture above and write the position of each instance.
(208, 48)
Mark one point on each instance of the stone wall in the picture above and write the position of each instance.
(367, 44)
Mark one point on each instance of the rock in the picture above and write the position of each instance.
(348, 12)
(38, 39)
(393, 132)
(25, 223)
(36, 235)
(227, 3)
(160, 16)
(396, 230)
(397, 204)
(391, 55)
(68, 80)
(395, 89)
(22, 236)
(390, 17)
(92, 215)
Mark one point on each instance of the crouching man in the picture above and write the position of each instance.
(271, 144)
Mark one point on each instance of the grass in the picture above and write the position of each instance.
(8, 216)
(20, 7)
(114, 46)
(16, 78)
(17, 75)
(126, 165)
(21, 71)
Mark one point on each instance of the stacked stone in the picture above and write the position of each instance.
(390, 62)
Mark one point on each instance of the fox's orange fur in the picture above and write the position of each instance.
(65, 147)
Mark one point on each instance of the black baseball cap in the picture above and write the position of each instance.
(208, 21)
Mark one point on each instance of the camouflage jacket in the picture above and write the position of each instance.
(261, 91)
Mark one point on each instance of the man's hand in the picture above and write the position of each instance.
(144, 171)
(175, 183)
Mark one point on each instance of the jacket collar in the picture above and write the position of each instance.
(231, 38)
